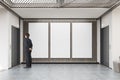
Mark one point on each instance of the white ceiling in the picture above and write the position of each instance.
(60, 12)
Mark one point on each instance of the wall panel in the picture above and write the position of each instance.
(60, 40)
(82, 40)
(39, 35)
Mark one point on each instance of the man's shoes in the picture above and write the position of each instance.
(27, 67)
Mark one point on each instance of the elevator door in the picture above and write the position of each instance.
(105, 46)
(15, 46)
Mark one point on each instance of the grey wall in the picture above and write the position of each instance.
(94, 39)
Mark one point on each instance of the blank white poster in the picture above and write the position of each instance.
(60, 40)
(39, 36)
(82, 40)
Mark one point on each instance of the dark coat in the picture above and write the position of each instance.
(27, 44)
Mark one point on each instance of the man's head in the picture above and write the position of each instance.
(27, 35)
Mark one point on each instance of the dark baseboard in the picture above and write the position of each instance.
(63, 63)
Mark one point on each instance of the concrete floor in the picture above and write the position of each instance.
(60, 72)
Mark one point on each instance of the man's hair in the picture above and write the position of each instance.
(27, 34)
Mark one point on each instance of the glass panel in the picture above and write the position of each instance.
(60, 40)
(82, 40)
(39, 35)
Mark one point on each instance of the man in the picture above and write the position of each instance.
(28, 48)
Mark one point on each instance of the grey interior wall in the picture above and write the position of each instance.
(81, 60)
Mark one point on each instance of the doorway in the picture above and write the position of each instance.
(105, 46)
(15, 46)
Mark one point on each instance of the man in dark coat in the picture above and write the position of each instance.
(27, 49)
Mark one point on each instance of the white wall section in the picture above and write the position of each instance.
(4, 38)
(113, 21)
(115, 34)
(107, 21)
(13, 21)
(7, 19)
